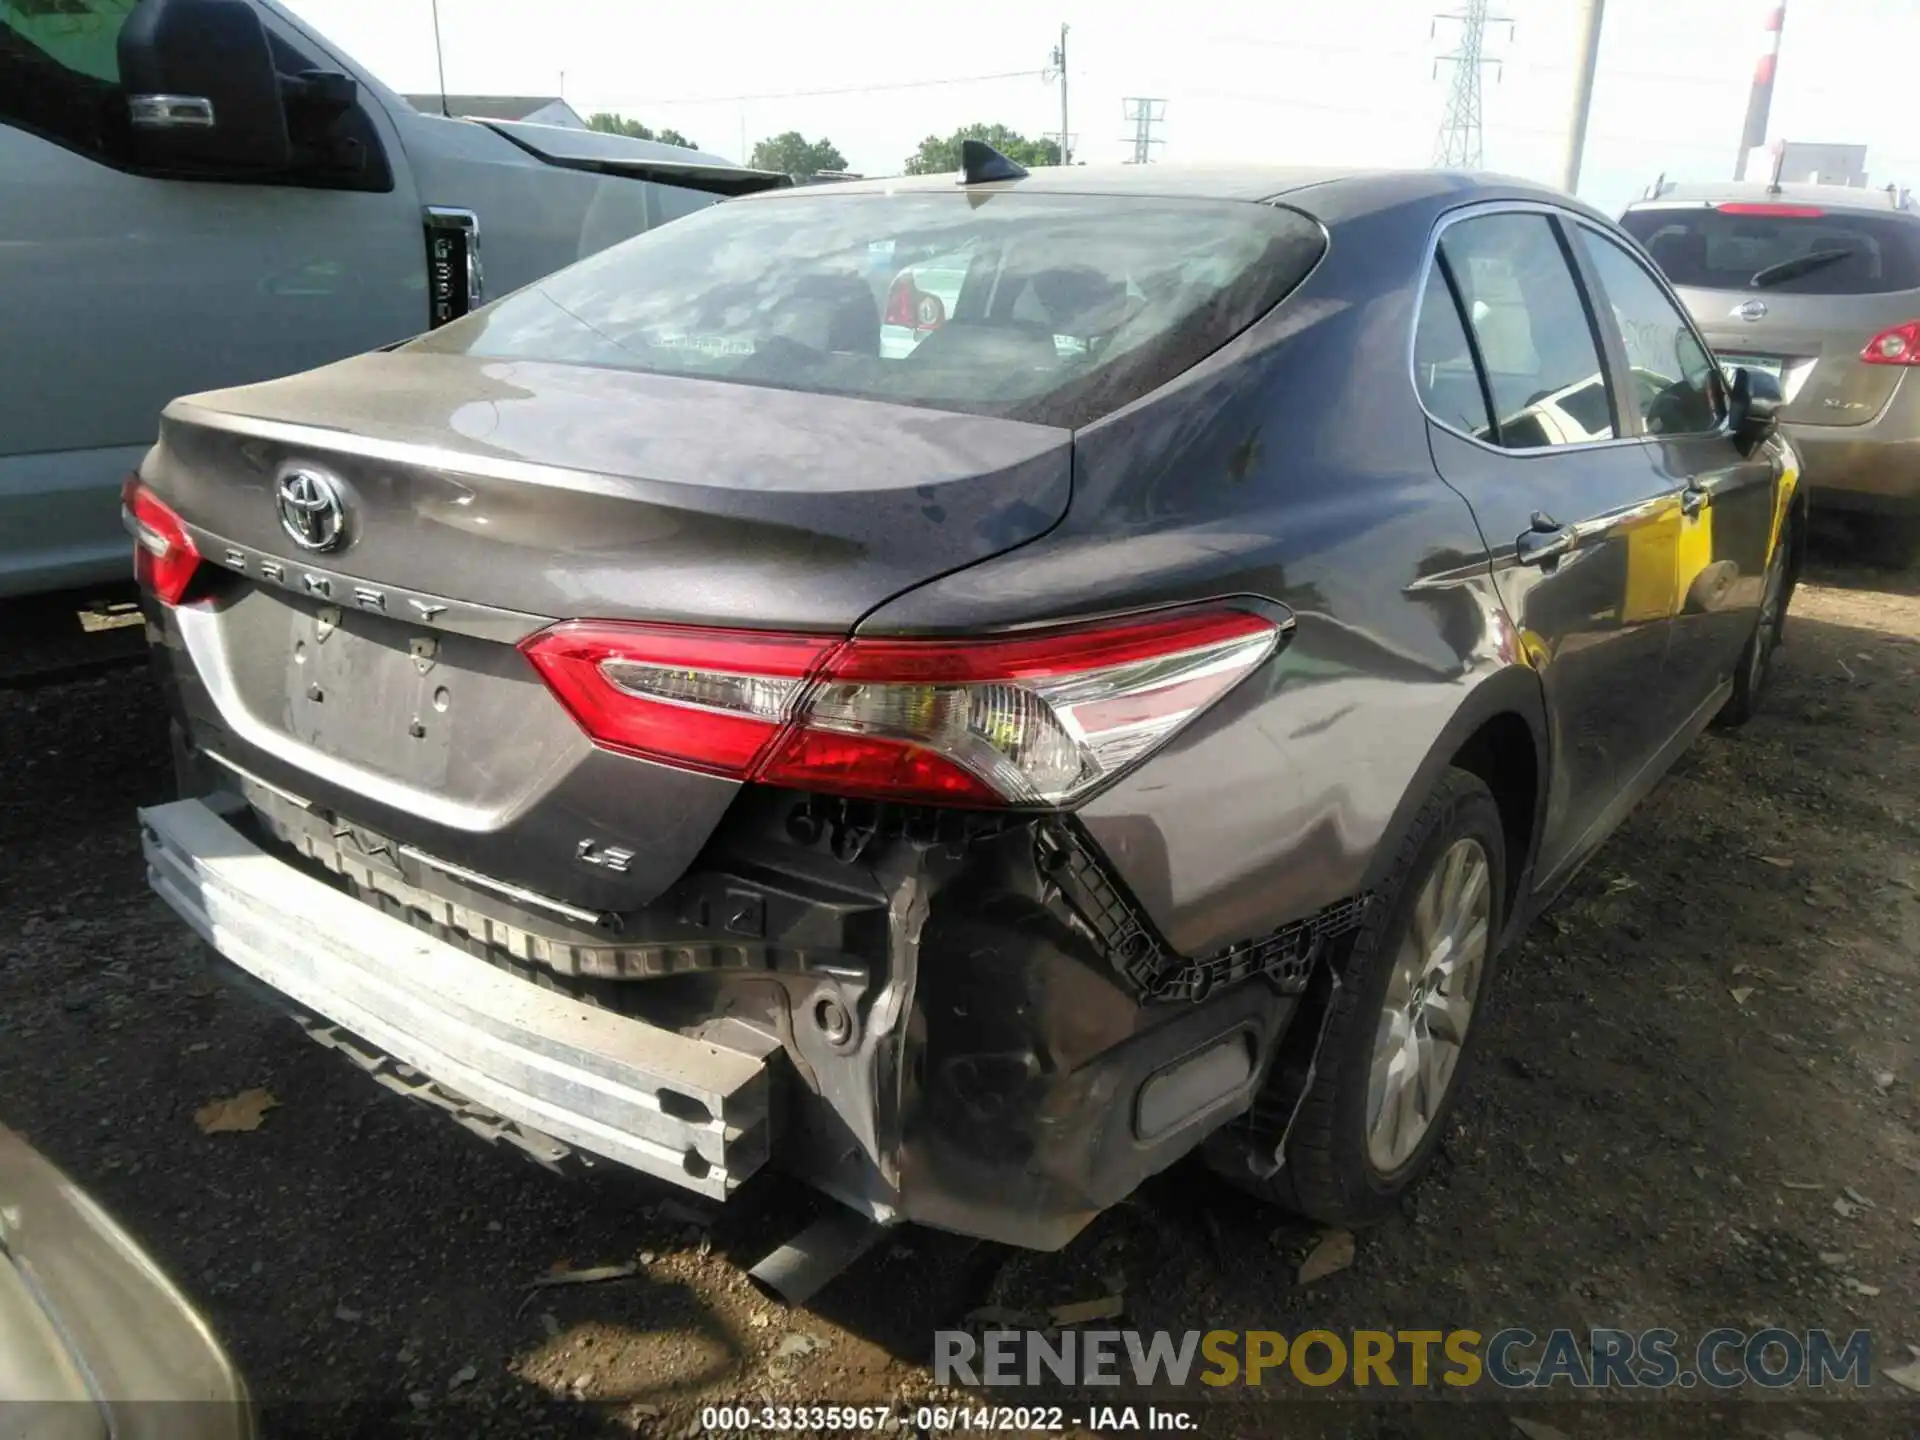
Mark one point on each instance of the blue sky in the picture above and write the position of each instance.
(1243, 80)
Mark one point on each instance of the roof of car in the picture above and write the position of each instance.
(1217, 182)
(1202, 182)
(1828, 197)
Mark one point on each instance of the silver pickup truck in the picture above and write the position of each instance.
(202, 193)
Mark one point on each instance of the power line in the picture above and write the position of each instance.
(843, 90)
(1458, 144)
(1540, 67)
(1372, 52)
(1144, 112)
(1409, 117)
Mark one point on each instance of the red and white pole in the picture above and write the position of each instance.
(1760, 102)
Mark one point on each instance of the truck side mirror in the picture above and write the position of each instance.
(1753, 407)
(202, 89)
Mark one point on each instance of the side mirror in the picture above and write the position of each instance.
(1753, 407)
(202, 89)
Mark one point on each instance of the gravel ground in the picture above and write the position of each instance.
(1695, 1060)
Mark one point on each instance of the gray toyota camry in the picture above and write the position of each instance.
(723, 707)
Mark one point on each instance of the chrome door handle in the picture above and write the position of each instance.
(1693, 500)
(1542, 545)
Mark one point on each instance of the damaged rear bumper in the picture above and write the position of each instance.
(682, 1109)
(956, 1032)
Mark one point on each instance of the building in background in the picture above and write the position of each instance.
(532, 109)
(1804, 162)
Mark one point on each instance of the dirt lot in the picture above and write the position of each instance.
(1698, 1062)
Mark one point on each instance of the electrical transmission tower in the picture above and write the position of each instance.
(1458, 145)
(1143, 113)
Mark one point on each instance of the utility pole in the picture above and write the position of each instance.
(1458, 144)
(1583, 93)
(1754, 133)
(1058, 71)
(1144, 112)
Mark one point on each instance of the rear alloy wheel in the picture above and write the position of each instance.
(1412, 985)
(1431, 991)
(1756, 660)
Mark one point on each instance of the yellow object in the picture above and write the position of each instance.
(1783, 497)
(1693, 552)
(1656, 546)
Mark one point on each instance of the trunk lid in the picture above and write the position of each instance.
(563, 491)
(377, 679)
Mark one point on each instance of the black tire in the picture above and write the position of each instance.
(1750, 676)
(1891, 542)
(1329, 1174)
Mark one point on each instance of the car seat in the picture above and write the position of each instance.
(832, 312)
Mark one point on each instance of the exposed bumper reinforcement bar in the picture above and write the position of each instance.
(681, 1109)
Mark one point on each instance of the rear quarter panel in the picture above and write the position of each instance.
(1292, 465)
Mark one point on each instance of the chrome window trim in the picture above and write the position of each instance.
(1480, 210)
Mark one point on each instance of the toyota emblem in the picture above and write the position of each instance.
(310, 509)
(1752, 310)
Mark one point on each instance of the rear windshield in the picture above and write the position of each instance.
(1827, 252)
(1055, 309)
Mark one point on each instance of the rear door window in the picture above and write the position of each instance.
(1790, 249)
(1543, 365)
(1049, 308)
(1443, 367)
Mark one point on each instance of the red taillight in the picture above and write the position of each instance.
(1028, 720)
(1896, 345)
(900, 302)
(879, 766)
(697, 698)
(164, 559)
(1749, 207)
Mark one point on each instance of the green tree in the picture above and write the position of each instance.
(793, 154)
(937, 156)
(612, 124)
